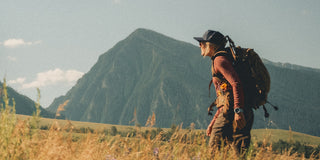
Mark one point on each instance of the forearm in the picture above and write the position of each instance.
(238, 97)
(215, 117)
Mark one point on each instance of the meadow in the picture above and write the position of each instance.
(36, 138)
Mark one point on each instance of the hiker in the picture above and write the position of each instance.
(233, 120)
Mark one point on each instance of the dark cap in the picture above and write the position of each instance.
(211, 36)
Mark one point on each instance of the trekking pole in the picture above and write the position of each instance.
(232, 47)
(275, 107)
(266, 114)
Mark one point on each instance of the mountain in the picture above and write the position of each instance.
(24, 105)
(149, 72)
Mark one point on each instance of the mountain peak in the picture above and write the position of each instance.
(143, 32)
(155, 39)
(150, 35)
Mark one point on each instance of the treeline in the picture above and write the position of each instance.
(130, 132)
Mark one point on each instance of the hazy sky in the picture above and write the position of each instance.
(51, 43)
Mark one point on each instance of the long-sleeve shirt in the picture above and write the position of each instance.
(223, 66)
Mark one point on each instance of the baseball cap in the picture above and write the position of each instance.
(211, 36)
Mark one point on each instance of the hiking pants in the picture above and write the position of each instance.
(222, 131)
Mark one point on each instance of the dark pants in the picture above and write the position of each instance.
(222, 131)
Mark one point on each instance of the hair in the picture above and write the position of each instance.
(216, 48)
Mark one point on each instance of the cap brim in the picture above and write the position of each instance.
(199, 39)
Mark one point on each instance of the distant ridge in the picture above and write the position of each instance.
(292, 66)
(24, 105)
(150, 72)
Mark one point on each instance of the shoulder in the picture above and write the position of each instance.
(222, 59)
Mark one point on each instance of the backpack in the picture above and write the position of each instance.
(253, 74)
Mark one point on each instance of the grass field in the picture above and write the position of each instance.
(20, 141)
(22, 137)
(271, 135)
(274, 135)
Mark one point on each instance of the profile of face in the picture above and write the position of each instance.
(206, 49)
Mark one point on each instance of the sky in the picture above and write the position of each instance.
(50, 44)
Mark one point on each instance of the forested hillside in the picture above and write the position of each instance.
(296, 92)
(24, 105)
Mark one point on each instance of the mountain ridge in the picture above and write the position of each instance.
(292, 66)
(23, 104)
(149, 72)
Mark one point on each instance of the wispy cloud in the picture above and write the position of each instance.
(50, 77)
(13, 43)
(19, 80)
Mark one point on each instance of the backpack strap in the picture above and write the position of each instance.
(221, 53)
(219, 76)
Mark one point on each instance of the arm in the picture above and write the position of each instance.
(209, 129)
(224, 66)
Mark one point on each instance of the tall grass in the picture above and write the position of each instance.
(22, 139)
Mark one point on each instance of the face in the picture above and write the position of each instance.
(206, 50)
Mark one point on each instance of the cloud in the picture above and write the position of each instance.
(12, 59)
(13, 43)
(17, 81)
(54, 77)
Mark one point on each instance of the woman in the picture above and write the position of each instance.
(229, 123)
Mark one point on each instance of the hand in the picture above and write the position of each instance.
(239, 120)
(209, 129)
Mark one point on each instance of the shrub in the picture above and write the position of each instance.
(114, 131)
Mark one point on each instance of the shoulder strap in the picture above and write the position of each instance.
(222, 53)
(218, 76)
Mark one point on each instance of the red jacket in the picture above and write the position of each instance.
(223, 66)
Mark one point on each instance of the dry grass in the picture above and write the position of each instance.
(22, 139)
(34, 144)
